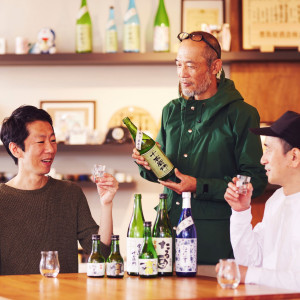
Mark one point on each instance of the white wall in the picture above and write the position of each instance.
(113, 87)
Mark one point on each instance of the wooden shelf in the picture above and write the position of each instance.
(97, 59)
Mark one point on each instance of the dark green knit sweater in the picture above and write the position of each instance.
(54, 217)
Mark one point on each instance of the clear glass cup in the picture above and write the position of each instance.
(49, 264)
(228, 275)
(242, 183)
(98, 171)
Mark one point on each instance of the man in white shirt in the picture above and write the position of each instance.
(269, 254)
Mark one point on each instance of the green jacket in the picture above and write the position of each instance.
(210, 140)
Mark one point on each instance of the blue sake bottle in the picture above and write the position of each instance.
(186, 241)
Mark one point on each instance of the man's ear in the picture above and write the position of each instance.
(216, 66)
(15, 150)
(295, 157)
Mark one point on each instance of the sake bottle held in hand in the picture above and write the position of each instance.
(96, 261)
(162, 238)
(135, 236)
(83, 30)
(148, 256)
(186, 241)
(158, 161)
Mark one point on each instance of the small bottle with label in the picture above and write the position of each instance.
(115, 263)
(111, 36)
(186, 241)
(148, 258)
(96, 261)
(162, 238)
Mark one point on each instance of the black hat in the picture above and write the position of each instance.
(287, 127)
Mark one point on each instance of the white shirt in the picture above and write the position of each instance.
(272, 249)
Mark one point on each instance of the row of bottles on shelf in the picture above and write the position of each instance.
(150, 254)
(131, 30)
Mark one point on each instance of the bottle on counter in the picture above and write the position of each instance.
(115, 262)
(131, 38)
(83, 30)
(148, 257)
(186, 241)
(96, 261)
(111, 36)
(135, 237)
(161, 34)
(162, 238)
(158, 161)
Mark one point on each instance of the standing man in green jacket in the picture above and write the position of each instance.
(205, 134)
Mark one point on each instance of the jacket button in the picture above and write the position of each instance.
(177, 203)
(185, 155)
(190, 131)
(192, 107)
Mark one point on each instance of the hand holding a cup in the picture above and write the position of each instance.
(239, 198)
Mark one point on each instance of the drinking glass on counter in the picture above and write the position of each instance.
(228, 275)
(49, 264)
(242, 183)
(98, 172)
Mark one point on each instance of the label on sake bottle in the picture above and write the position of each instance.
(84, 36)
(148, 266)
(132, 37)
(163, 248)
(161, 38)
(114, 269)
(159, 163)
(186, 255)
(95, 269)
(134, 249)
(184, 224)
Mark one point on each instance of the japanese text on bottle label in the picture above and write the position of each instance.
(134, 249)
(186, 255)
(138, 140)
(95, 269)
(114, 268)
(163, 247)
(148, 266)
(131, 37)
(84, 36)
(184, 224)
(161, 38)
(160, 164)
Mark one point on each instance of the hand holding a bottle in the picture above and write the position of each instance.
(238, 202)
(187, 183)
(107, 187)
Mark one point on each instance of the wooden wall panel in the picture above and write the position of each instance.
(273, 88)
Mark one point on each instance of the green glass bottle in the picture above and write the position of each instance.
(83, 30)
(158, 161)
(115, 262)
(161, 34)
(148, 257)
(135, 236)
(162, 238)
(96, 262)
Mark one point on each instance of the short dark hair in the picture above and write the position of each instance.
(286, 147)
(14, 128)
(209, 54)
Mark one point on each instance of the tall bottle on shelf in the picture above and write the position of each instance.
(158, 161)
(135, 236)
(115, 262)
(162, 238)
(96, 261)
(186, 241)
(131, 38)
(84, 35)
(161, 33)
(111, 36)
(148, 256)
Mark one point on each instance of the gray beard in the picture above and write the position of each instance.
(201, 88)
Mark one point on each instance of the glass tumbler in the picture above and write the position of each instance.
(228, 275)
(242, 183)
(49, 264)
(98, 171)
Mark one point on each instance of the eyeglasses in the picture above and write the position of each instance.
(196, 38)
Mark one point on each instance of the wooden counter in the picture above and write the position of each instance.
(79, 286)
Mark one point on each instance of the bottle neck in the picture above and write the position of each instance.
(137, 207)
(147, 234)
(111, 14)
(115, 246)
(161, 5)
(186, 202)
(131, 4)
(83, 3)
(96, 246)
(131, 127)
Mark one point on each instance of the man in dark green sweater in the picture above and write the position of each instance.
(205, 134)
(39, 213)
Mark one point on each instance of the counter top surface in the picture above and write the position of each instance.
(79, 286)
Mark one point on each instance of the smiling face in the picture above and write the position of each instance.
(277, 164)
(196, 77)
(40, 149)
